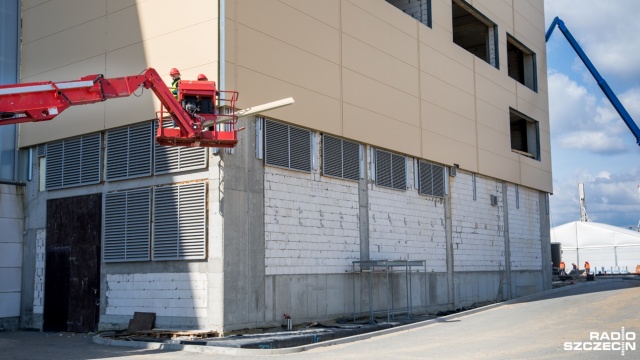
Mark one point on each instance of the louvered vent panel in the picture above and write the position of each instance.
(117, 154)
(276, 144)
(179, 222)
(140, 144)
(72, 162)
(41, 150)
(331, 156)
(127, 226)
(399, 172)
(383, 168)
(170, 159)
(426, 181)
(300, 149)
(350, 160)
(91, 159)
(431, 179)
(438, 180)
(53, 172)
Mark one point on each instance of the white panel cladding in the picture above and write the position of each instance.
(524, 229)
(311, 226)
(407, 225)
(166, 294)
(477, 226)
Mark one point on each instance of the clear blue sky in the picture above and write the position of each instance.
(589, 141)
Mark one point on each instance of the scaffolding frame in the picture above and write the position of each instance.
(387, 266)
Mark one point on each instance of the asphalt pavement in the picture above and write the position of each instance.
(602, 317)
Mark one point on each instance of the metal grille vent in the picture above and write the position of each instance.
(391, 170)
(127, 229)
(169, 159)
(287, 146)
(179, 218)
(340, 158)
(129, 152)
(431, 179)
(74, 162)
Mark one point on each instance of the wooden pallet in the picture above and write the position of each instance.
(172, 334)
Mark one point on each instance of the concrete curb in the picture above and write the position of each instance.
(98, 339)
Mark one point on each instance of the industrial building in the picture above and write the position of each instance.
(415, 162)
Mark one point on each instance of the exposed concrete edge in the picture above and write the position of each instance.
(98, 339)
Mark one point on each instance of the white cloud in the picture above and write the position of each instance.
(593, 141)
(606, 30)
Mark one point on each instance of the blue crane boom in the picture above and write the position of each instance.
(592, 69)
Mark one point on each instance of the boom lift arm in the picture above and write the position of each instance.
(603, 84)
(190, 120)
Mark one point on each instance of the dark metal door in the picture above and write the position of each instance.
(72, 278)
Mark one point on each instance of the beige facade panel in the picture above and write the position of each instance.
(441, 17)
(41, 19)
(528, 104)
(446, 69)
(451, 125)
(311, 109)
(500, 12)
(280, 60)
(494, 91)
(69, 46)
(326, 11)
(536, 178)
(375, 64)
(372, 128)
(545, 146)
(367, 93)
(449, 151)
(498, 166)
(442, 41)
(362, 25)
(447, 96)
(387, 13)
(528, 33)
(496, 142)
(285, 23)
(494, 117)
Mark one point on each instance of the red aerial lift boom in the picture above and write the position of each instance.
(190, 120)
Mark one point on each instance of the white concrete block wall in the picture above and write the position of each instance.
(311, 223)
(406, 225)
(38, 287)
(477, 226)
(524, 229)
(166, 294)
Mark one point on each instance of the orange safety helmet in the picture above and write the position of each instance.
(174, 72)
(202, 77)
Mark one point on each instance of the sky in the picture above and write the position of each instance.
(590, 143)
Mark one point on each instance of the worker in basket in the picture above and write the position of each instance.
(175, 81)
(587, 267)
(562, 268)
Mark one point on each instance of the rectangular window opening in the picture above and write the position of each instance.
(474, 32)
(525, 135)
(521, 63)
(417, 9)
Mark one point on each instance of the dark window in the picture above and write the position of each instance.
(417, 9)
(525, 138)
(474, 32)
(521, 63)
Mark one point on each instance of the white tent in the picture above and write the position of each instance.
(603, 246)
